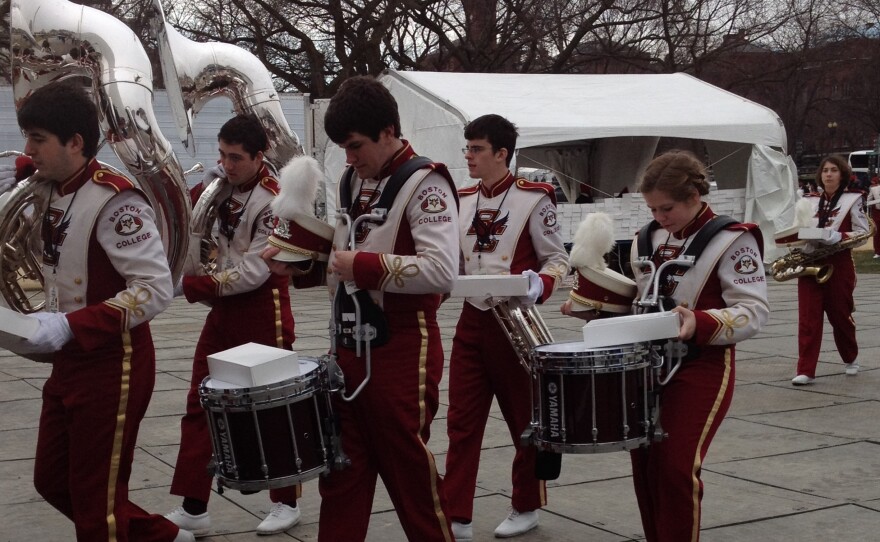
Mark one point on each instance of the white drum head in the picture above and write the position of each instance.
(307, 365)
(214, 384)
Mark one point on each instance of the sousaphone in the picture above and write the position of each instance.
(196, 73)
(54, 40)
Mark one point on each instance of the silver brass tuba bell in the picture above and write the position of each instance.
(197, 72)
(54, 40)
(523, 325)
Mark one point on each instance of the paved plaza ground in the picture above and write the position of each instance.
(788, 464)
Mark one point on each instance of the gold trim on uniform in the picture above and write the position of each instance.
(399, 272)
(225, 279)
(121, 412)
(695, 490)
(423, 376)
(730, 323)
(279, 333)
(131, 303)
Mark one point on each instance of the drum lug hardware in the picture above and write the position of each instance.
(364, 333)
(340, 460)
(528, 437)
(675, 349)
(658, 434)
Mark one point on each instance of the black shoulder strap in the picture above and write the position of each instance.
(707, 233)
(392, 187)
(395, 183)
(345, 189)
(643, 243)
(696, 247)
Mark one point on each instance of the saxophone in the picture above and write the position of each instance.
(798, 263)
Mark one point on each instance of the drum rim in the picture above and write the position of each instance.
(592, 447)
(281, 383)
(634, 346)
(304, 386)
(272, 483)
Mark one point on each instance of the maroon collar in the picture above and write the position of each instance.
(498, 187)
(698, 222)
(78, 179)
(251, 184)
(405, 153)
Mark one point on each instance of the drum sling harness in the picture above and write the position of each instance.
(371, 313)
(696, 247)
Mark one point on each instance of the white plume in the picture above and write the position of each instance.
(803, 213)
(298, 182)
(593, 239)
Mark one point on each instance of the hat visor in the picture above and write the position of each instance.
(287, 252)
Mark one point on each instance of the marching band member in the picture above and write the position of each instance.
(874, 205)
(248, 304)
(838, 211)
(106, 277)
(721, 300)
(404, 265)
(507, 226)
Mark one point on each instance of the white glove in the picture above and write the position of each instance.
(810, 247)
(7, 177)
(53, 333)
(536, 288)
(212, 173)
(830, 237)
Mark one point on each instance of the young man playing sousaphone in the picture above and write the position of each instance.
(506, 226)
(106, 277)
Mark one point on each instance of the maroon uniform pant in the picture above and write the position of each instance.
(834, 298)
(385, 432)
(484, 365)
(667, 474)
(875, 216)
(262, 316)
(92, 407)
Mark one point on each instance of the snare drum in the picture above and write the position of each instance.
(590, 400)
(270, 436)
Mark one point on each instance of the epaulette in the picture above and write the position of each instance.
(742, 226)
(106, 177)
(526, 184)
(270, 184)
(748, 226)
(468, 190)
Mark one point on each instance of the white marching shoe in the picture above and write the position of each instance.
(198, 525)
(802, 380)
(851, 369)
(517, 523)
(184, 536)
(280, 518)
(462, 532)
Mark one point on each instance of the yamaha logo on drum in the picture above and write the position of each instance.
(553, 408)
(225, 446)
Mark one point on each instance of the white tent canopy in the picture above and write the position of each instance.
(602, 130)
(553, 108)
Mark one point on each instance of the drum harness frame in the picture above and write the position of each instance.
(363, 333)
(675, 350)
